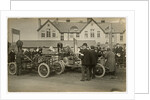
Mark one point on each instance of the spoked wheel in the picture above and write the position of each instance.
(43, 70)
(59, 67)
(99, 71)
(12, 68)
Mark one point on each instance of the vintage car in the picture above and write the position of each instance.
(46, 64)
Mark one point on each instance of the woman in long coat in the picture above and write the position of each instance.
(110, 63)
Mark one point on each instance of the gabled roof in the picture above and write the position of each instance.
(116, 27)
(65, 27)
(45, 24)
(94, 22)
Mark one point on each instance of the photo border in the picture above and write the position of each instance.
(130, 16)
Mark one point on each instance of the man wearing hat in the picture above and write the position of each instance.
(86, 62)
(94, 58)
(119, 53)
(19, 44)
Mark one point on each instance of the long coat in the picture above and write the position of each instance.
(19, 57)
(94, 57)
(110, 63)
(86, 58)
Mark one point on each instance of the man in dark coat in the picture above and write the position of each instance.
(19, 58)
(12, 56)
(86, 62)
(19, 44)
(94, 58)
(119, 54)
(99, 51)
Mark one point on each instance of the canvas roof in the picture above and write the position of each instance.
(48, 43)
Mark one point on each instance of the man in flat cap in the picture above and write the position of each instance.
(86, 62)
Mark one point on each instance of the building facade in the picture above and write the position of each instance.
(90, 30)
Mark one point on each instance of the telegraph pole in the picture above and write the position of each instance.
(110, 36)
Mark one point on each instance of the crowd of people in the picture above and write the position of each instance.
(90, 55)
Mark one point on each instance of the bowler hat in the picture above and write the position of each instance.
(92, 47)
(84, 44)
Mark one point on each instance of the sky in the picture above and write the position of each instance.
(28, 26)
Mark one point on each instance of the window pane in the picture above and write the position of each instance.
(54, 35)
(42, 34)
(77, 35)
(121, 37)
(86, 34)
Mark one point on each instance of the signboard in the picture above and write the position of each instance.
(15, 35)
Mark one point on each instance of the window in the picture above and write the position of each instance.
(106, 35)
(62, 36)
(47, 24)
(77, 35)
(54, 34)
(98, 34)
(86, 34)
(42, 34)
(48, 33)
(92, 32)
(71, 35)
(121, 37)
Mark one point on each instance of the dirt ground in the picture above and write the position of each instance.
(69, 81)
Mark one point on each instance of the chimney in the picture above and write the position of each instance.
(67, 20)
(81, 21)
(102, 21)
(39, 22)
(56, 21)
(89, 19)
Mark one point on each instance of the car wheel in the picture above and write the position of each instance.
(59, 67)
(99, 71)
(12, 68)
(43, 70)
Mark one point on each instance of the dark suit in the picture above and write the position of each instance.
(86, 62)
(94, 58)
(19, 58)
(119, 50)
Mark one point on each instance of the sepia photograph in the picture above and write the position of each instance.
(67, 54)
